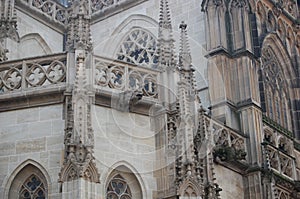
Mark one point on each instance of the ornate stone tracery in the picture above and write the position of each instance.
(118, 188)
(275, 83)
(33, 187)
(139, 47)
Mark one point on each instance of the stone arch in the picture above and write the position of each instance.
(110, 47)
(130, 175)
(21, 173)
(273, 41)
(279, 76)
(261, 11)
(281, 30)
(190, 189)
(290, 41)
(33, 44)
(271, 21)
(261, 19)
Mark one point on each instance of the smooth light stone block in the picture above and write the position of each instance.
(51, 112)
(29, 146)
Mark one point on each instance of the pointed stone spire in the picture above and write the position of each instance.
(165, 37)
(185, 60)
(188, 109)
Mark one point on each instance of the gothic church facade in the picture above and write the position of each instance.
(150, 99)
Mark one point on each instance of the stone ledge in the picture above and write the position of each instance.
(32, 98)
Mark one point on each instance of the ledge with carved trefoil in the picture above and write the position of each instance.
(32, 81)
(279, 161)
(229, 145)
(124, 86)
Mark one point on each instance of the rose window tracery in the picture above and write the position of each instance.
(139, 47)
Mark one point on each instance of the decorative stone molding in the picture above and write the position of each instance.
(79, 138)
(165, 38)
(78, 27)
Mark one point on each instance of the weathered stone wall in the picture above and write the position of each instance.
(35, 134)
(231, 183)
(123, 138)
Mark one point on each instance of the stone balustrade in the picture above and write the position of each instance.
(279, 161)
(278, 148)
(111, 74)
(228, 143)
(28, 74)
(52, 10)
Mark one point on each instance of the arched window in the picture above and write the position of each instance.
(118, 189)
(122, 183)
(29, 183)
(139, 47)
(32, 188)
(275, 89)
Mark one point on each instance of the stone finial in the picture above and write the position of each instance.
(185, 59)
(165, 37)
(8, 22)
(79, 31)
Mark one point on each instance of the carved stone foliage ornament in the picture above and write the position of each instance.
(79, 33)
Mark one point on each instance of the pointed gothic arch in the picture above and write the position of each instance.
(28, 179)
(111, 46)
(239, 27)
(124, 172)
(191, 189)
(277, 79)
(33, 44)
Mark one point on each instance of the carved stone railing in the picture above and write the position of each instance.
(29, 74)
(228, 144)
(120, 76)
(48, 8)
(279, 161)
(105, 8)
